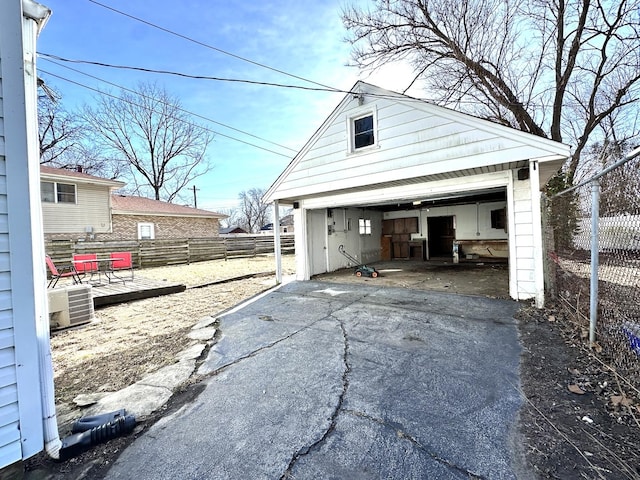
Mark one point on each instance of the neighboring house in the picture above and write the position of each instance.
(27, 407)
(286, 225)
(147, 219)
(78, 206)
(75, 205)
(232, 230)
(386, 172)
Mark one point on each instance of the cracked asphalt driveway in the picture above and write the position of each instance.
(336, 381)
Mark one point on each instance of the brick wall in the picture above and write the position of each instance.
(125, 227)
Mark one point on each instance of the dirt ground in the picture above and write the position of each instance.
(579, 420)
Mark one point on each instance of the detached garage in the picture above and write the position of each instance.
(393, 177)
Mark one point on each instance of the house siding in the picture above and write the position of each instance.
(10, 450)
(413, 140)
(92, 209)
(21, 408)
(125, 227)
(524, 240)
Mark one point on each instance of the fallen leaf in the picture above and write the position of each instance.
(616, 400)
(551, 318)
(576, 389)
(573, 371)
(597, 347)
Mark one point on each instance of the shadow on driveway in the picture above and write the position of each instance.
(328, 380)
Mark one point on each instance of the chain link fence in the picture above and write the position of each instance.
(593, 269)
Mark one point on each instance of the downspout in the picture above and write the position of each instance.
(35, 17)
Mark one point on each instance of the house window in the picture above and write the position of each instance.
(52, 192)
(66, 193)
(47, 192)
(498, 219)
(146, 231)
(363, 132)
(364, 225)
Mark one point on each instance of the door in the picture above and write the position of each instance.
(441, 236)
(317, 241)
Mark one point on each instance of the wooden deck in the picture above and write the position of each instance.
(136, 289)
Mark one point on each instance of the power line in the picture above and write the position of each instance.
(181, 109)
(206, 45)
(188, 75)
(140, 106)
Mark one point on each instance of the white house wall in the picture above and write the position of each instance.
(92, 209)
(22, 284)
(365, 248)
(414, 139)
(473, 221)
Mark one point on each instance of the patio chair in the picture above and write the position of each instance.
(121, 262)
(85, 264)
(65, 271)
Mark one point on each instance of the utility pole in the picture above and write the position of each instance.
(195, 198)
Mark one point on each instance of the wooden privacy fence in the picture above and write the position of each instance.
(157, 253)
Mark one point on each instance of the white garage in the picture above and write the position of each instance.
(393, 177)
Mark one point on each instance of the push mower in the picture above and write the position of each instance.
(360, 269)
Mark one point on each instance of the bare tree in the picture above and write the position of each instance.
(252, 213)
(150, 134)
(59, 131)
(554, 68)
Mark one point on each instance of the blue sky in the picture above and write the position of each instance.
(301, 38)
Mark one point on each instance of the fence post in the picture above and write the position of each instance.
(548, 246)
(595, 217)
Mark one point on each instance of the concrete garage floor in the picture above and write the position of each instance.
(485, 278)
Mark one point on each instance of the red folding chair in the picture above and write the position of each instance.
(65, 271)
(121, 261)
(85, 264)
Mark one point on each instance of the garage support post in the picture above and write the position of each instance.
(277, 248)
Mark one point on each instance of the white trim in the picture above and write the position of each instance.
(536, 220)
(404, 193)
(151, 227)
(511, 219)
(350, 121)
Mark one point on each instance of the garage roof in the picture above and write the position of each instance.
(416, 141)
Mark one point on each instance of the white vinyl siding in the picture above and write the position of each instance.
(9, 413)
(414, 139)
(523, 238)
(91, 209)
(10, 450)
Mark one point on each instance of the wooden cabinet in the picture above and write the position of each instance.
(411, 225)
(385, 251)
(417, 249)
(397, 236)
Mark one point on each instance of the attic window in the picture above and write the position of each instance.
(362, 131)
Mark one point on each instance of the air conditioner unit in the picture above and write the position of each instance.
(70, 306)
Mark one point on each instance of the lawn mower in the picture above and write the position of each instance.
(360, 269)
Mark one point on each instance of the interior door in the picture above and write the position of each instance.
(317, 241)
(441, 234)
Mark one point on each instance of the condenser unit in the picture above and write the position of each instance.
(70, 306)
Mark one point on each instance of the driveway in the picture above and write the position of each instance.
(328, 380)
